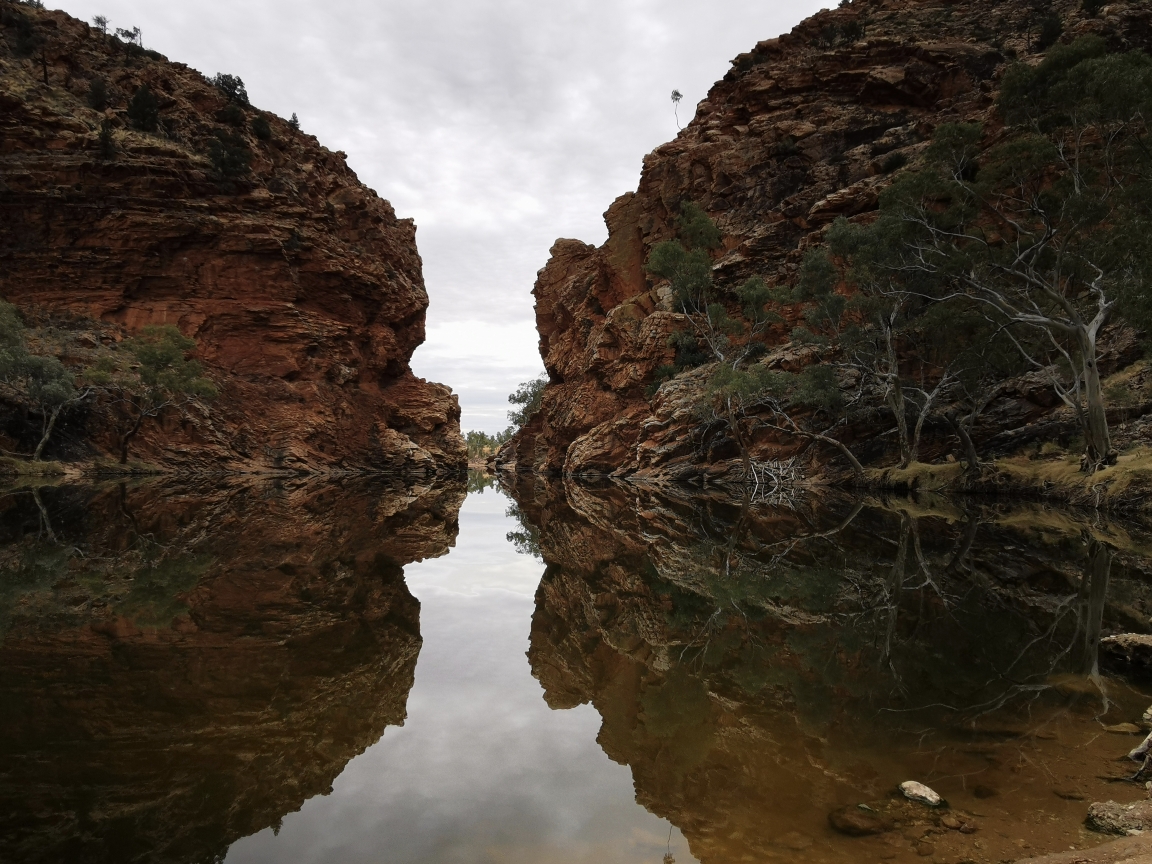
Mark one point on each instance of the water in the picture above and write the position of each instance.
(368, 672)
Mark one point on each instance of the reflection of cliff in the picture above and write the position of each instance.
(184, 667)
(755, 680)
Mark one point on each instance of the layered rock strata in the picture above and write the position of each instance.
(301, 287)
(800, 131)
(180, 668)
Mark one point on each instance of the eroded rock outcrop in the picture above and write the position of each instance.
(803, 129)
(182, 667)
(301, 287)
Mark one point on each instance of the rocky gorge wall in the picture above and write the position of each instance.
(797, 133)
(301, 287)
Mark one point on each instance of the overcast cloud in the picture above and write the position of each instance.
(499, 125)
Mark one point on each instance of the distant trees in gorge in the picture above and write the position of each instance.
(528, 396)
(996, 253)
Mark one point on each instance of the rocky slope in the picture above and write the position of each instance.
(759, 670)
(182, 667)
(302, 288)
(799, 132)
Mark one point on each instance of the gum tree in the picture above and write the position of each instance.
(160, 377)
(1046, 230)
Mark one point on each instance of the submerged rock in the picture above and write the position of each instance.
(914, 791)
(855, 821)
(1108, 817)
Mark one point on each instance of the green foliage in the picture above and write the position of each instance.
(144, 110)
(786, 147)
(260, 128)
(229, 155)
(154, 598)
(479, 482)
(160, 350)
(151, 374)
(526, 537)
(688, 271)
(294, 122)
(231, 115)
(232, 87)
(98, 93)
(1031, 242)
(696, 228)
(105, 142)
(1051, 29)
(893, 162)
(27, 38)
(529, 396)
(1092, 8)
(481, 444)
(42, 383)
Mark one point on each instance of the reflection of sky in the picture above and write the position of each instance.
(482, 770)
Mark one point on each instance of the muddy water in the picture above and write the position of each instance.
(287, 672)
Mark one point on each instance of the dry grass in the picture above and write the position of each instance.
(921, 476)
(1129, 481)
(26, 468)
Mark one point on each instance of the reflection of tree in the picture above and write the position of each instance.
(727, 649)
(526, 538)
(1093, 593)
(478, 481)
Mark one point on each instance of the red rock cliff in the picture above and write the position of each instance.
(301, 287)
(794, 136)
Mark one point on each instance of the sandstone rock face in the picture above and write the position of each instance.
(301, 287)
(795, 135)
(181, 667)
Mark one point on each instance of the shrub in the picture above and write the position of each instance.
(1051, 28)
(260, 128)
(787, 147)
(98, 93)
(232, 87)
(1092, 8)
(144, 110)
(232, 115)
(294, 123)
(229, 154)
(894, 162)
(106, 144)
(27, 38)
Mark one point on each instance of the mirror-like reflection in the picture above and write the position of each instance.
(180, 667)
(765, 672)
(193, 673)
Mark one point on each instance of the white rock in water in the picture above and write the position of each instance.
(919, 792)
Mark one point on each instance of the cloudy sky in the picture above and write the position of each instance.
(499, 125)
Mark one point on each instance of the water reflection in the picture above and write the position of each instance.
(758, 669)
(182, 666)
(190, 673)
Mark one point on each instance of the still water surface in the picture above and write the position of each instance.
(281, 672)
(482, 769)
